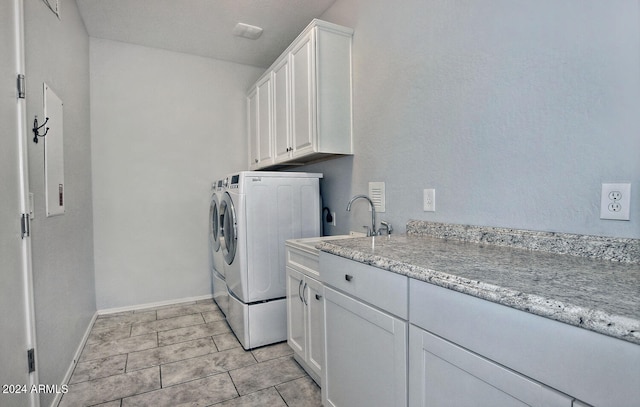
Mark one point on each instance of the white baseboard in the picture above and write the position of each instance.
(153, 304)
(76, 357)
(78, 352)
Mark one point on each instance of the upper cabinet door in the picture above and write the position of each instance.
(265, 147)
(303, 93)
(281, 109)
(252, 127)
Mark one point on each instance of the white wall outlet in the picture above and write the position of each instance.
(615, 201)
(429, 200)
(333, 218)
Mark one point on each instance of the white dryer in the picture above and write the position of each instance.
(260, 211)
(219, 289)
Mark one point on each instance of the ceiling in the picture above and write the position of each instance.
(203, 27)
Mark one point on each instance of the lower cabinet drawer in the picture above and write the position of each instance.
(302, 261)
(381, 288)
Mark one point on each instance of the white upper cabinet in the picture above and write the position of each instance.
(310, 105)
(260, 108)
(282, 112)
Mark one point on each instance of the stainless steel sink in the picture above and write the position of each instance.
(309, 243)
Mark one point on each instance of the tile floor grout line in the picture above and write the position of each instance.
(281, 396)
(228, 372)
(265, 357)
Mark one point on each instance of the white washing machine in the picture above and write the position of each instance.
(259, 212)
(219, 289)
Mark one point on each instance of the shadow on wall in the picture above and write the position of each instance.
(335, 189)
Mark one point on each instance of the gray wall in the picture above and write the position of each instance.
(57, 52)
(164, 125)
(514, 111)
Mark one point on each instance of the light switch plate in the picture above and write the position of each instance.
(429, 200)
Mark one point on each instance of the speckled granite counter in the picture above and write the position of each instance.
(599, 295)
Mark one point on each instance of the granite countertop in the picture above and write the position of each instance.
(599, 295)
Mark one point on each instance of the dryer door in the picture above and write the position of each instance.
(229, 229)
(214, 223)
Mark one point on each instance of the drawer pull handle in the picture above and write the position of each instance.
(318, 297)
(348, 277)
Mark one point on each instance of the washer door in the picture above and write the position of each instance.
(229, 229)
(214, 223)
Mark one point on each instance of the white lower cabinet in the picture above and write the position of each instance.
(366, 357)
(444, 374)
(305, 312)
(394, 341)
(365, 319)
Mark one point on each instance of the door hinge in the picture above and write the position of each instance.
(21, 87)
(25, 224)
(31, 360)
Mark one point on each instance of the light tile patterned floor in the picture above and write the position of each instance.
(183, 355)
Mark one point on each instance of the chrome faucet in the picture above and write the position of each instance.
(387, 226)
(372, 231)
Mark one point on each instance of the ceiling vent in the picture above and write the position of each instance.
(247, 31)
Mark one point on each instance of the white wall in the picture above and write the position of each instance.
(57, 52)
(164, 126)
(514, 111)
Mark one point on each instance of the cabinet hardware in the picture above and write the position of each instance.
(256, 160)
(21, 87)
(300, 295)
(25, 225)
(348, 277)
(304, 296)
(31, 360)
(318, 297)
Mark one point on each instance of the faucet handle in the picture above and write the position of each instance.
(385, 225)
(368, 230)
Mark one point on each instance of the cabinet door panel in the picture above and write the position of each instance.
(295, 312)
(366, 355)
(265, 149)
(281, 108)
(252, 127)
(302, 94)
(315, 324)
(444, 374)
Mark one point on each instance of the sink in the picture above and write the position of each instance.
(309, 243)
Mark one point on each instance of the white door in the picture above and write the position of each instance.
(295, 312)
(281, 108)
(443, 374)
(315, 324)
(17, 332)
(366, 355)
(252, 128)
(265, 148)
(303, 95)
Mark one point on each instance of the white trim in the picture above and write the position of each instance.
(76, 358)
(27, 259)
(153, 304)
